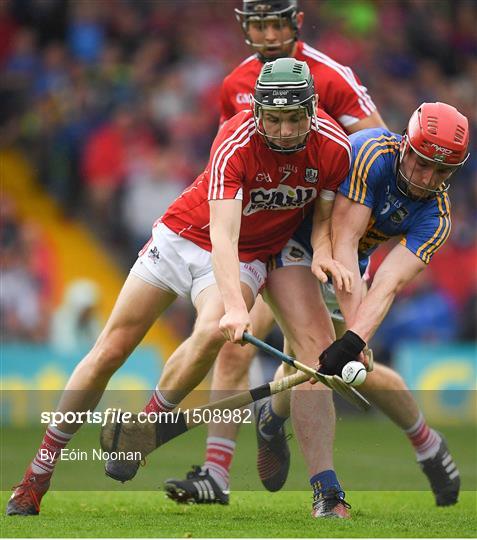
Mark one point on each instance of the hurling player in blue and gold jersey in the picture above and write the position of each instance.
(396, 188)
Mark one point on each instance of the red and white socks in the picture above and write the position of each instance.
(158, 403)
(426, 441)
(218, 460)
(219, 452)
(55, 440)
(50, 449)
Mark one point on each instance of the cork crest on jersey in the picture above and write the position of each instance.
(283, 196)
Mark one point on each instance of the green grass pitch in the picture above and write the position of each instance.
(250, 514)
(388, 493)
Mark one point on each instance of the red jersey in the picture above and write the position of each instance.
(339, 90)
(276, 189)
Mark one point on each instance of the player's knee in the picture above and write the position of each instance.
(232, 365)
(108, 355)
(234, 358)
(308, 347)
(206, 339)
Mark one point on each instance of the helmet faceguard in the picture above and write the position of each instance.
(284, 104)
(266, 11)
(433, 147)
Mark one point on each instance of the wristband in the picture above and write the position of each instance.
(354, 343)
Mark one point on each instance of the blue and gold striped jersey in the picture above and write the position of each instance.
(423, 225)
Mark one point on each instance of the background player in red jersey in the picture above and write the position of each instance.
(271, 28)
(212, 244)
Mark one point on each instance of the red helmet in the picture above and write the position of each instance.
(439, 134)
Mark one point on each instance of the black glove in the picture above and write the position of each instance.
(338, 354)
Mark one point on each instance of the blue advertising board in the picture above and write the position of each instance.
(444, 378)
(32, 377)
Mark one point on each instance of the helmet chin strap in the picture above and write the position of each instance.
(272, 141)
(282, 54)
(282, 150)
(290, 22)
(404, 184)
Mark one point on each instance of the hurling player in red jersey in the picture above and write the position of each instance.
(267, 169)
(271, 28)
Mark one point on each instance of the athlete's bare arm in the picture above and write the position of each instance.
(323, 261)
(363, 316)
(225, 218)
(399, 268)
(348, 224)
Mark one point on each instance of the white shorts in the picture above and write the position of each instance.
(294, 254)
(173, 263)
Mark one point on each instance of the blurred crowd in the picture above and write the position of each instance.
(115, 102)
(31, 309)
(26, 277)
